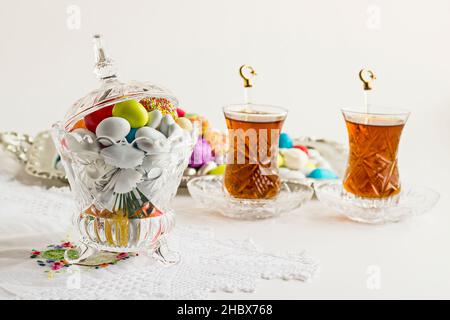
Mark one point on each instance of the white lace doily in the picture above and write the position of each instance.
(33, 217)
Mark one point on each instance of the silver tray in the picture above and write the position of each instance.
(39, 154)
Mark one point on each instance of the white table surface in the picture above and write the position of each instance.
(411, 257)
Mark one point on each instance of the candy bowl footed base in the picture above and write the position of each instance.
(410, 202)
(209, 192)
(123, 235)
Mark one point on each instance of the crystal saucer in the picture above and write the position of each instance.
(410, 202)
(208, 191)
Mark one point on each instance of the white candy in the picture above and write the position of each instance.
(206, 168)
(158, 160)
(313, 153)
(190, 172)
(322, 163)
(184, 123)
(174, 130)
(151, 140)
(219, 159)
(309, 167)
(288, 174)
(154, 119)
(81, 139)
(150, 133)
(126, 180)
(122, 155)
(294, 158)
(166, 121)
(113, 129)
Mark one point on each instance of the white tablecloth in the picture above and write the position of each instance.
(403, 260)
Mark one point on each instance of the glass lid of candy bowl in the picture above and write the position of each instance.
(124, 152)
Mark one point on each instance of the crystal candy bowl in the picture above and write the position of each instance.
(122, 186)
(408, 203)
(209, 192)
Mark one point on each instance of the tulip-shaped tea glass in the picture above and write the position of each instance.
(374, 137)
(253, 133)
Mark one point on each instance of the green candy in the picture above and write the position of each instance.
(219, 170)
(132, 111)
(280, 161)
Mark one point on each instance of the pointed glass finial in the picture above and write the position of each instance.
(104, 66)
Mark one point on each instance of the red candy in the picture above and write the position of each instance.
(181, 113)
(303, 148)
(92, 120)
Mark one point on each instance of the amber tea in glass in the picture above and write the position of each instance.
(372, 170)
(251, 170)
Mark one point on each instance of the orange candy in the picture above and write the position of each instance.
(79, 124)
(201, 122)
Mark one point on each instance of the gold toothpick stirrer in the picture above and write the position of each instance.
(247, 74)
(367, 77)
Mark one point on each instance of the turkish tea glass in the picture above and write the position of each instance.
(251, 169)
(374, 137)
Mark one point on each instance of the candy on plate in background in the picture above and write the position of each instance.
(218, 141)
(202, 154)
(285, 141)
(322, 173)
(181, 113)
(202, 122)
(184, 123)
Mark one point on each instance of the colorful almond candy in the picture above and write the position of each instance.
(218, 141)
(166, 122)
(184, 123)
(280, 160)
(202, 154)
(180, 112)
(80, 124)
(131, 135)
(285, 141)
(151, 140)
(303, 148)
(112, 130)
(132, 111)
(202, 122)
(294, 158)
(93, 119)
(219, 170)
(154, 119)
(322, 173)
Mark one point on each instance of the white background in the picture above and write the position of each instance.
(307, 54)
